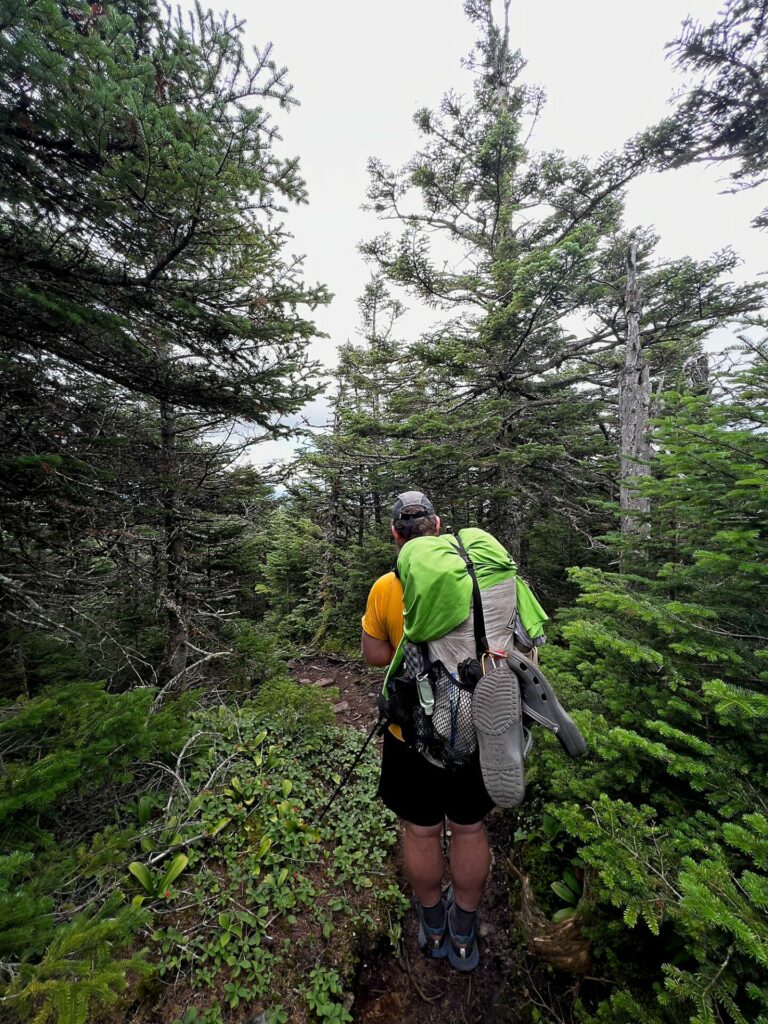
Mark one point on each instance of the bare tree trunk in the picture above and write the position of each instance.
(175, 596)
(376, 411)
(331, 538)
(634, 403)
(361, 512)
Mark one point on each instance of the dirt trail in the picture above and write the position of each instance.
(414, 989)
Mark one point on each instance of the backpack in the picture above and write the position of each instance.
(464, 603)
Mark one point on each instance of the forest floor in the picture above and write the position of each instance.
(412, 988)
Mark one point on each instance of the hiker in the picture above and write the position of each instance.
(423, 794)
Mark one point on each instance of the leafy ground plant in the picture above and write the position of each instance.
(274, 908)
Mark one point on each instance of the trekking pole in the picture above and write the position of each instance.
(378, 724)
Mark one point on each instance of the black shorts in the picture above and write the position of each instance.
(423, 794)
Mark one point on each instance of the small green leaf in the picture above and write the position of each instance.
(175, 868)
(286, 787)
(145, 808)
(564, 914)
(264, 845)
(220, 824)
(551, 826)
(282, 876)
(143, 874)
(572, 882)
(564, 892)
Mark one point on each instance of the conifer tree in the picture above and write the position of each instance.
(139, 183)
(349, 473)
(511, 247)
(720, 118)
(143, 263)
(668, 665)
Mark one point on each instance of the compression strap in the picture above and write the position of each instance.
(481, 641)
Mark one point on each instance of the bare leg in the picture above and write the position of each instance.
(423, 856)
(470, 863)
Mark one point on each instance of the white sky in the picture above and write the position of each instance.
(360, 70)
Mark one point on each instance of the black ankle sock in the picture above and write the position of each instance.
(464, 921)
(434, 917)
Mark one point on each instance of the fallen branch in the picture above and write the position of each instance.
(169, 686)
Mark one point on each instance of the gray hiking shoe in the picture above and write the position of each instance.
(498, 716)
(463, 951)
(432, 941)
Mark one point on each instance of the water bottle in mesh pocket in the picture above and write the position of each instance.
(454, 730)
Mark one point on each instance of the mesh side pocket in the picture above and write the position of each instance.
(405, 710)
(454, 730)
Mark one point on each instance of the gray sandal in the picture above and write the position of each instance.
(540, 704)
(497, 713)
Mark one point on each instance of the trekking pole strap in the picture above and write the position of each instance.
(478, 619)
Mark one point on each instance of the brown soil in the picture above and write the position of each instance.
(413, 989)
(358, 687)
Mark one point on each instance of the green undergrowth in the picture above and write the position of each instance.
(173, 865)
(274, 907)
(74, 757)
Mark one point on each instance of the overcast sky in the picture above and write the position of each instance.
(360, 70)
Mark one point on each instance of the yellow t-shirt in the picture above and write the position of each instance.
(383, 619)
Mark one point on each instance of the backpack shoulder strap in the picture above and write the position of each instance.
(478, 619)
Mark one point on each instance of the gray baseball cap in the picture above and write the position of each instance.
(416, 500)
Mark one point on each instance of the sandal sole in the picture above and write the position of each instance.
(498, 720)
